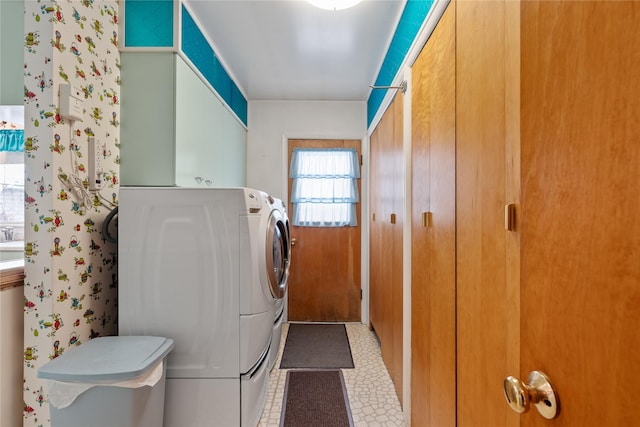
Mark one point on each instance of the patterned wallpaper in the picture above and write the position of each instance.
(71, 273)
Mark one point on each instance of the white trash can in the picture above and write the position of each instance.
(108, 382)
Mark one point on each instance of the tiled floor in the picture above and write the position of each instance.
(371, 393)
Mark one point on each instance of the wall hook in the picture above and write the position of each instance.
(402, 87)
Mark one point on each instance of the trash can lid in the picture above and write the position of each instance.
(107, 359)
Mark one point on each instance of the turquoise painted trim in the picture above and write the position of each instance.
(196, 47)
(148, 23)
(239, 103)
(221, 81)
(413, 16)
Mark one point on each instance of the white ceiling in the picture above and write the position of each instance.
(291, 50)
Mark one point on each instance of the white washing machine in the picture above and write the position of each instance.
(278, 308)
(204, 267)
(278, 318)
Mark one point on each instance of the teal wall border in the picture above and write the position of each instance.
(196, 47)
(413, 16)
(148, 23)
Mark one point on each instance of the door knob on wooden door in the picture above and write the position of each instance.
(293, 241)
(538, 391)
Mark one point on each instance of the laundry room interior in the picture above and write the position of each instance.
(282, 213)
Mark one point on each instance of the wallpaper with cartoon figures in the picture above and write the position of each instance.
(71, 272)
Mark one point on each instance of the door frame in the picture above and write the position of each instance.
(364, 206)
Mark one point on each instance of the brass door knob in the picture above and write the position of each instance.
(538, 391)
(293, 241)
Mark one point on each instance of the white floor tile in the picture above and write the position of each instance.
(372, 397)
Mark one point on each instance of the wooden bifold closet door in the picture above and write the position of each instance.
(387, 207)
(545, 125)
(433, 233)
(547, 112)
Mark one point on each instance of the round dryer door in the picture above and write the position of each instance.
(278, 252)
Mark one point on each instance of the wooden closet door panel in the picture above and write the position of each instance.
(480, 180)
(397, 289)
(443, 227)
(380, 244)
(386, 243)
(375, 238)
(386, 239)
(433, 379)
(580, 204)
(420, 242)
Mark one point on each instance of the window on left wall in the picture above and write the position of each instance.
(11, 179)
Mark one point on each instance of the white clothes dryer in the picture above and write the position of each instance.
(279, 282)
(193, 265)
(276, 337)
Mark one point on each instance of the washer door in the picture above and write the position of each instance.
(278, 252)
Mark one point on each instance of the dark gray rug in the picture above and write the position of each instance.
(316, 345)
(315, 399)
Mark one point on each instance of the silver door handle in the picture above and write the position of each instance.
(538, 391)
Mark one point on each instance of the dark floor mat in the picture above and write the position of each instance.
(316, 345)
(315, 399)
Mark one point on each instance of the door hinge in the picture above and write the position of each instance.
(360, 294)
(361, 160)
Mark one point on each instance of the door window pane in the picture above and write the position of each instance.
(325, 187)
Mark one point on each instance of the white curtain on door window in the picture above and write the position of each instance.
(325, 187)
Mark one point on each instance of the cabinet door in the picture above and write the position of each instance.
(197, 127)
(433, 375)
(148, 149)
(177, 129)
(210, 142)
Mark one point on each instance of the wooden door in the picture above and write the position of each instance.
(394, 231)
(580, 235)
(324, 281)
(548, 119)
(383, 132)
(387, 208)
(379, 260)
(487, 314)
(433, 374)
